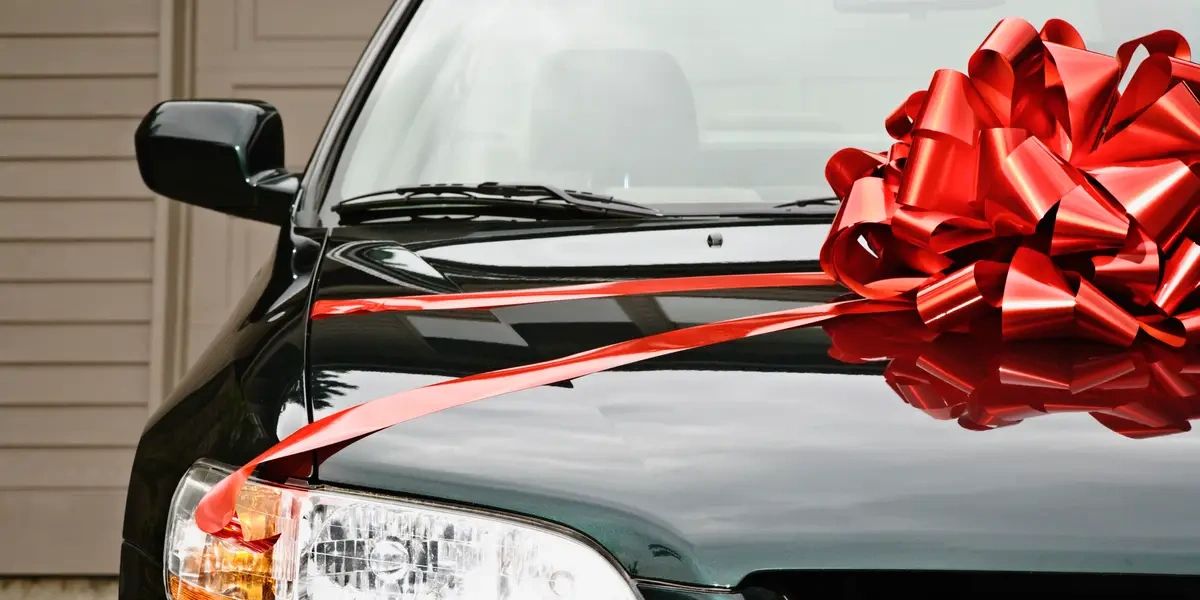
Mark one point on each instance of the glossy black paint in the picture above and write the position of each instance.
(709, 465)
(244, 393)
(704, 467)
(226, 155)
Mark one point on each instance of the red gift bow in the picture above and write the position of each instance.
(983, 382)
(1031, 189)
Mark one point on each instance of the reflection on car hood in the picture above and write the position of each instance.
(710, 464)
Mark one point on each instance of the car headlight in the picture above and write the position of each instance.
(334, 544)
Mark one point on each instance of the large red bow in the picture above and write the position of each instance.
(1030, 192)
(1033, 189)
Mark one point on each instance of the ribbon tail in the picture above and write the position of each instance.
(324, 437)
(603, 289)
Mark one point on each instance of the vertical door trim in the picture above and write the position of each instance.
(168, 329)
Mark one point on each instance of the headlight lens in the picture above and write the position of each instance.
(342, 545)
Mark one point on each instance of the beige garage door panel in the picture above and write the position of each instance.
(77, 219)
(36, 56)
(72, 179)
(58, 342)
(30, 17)
(58, 468)
(74, 302)
(63, 531)
(77, 231)
(98, 97)
(70, 426)
(308, 20)
(290, 34)
(74, 343)
(90, 137)
(75, 261)
(73, 385)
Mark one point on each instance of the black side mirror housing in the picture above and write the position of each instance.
(226, 155)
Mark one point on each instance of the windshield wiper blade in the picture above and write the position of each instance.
(530, 196)
(829, 201)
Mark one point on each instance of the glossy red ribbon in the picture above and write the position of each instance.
(1029, 195)
(326, 436)
(1033, 189)
(983, 382)
(603, 289)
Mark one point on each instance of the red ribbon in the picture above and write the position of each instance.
(604, 289)
(983, 382)
(1029, 195)
(1031, 188)
(326, 436)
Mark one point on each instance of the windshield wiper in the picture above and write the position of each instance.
(512, 198)
(830, 201)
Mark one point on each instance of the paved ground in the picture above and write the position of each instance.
(50, 588)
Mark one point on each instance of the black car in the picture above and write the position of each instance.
(510, 144)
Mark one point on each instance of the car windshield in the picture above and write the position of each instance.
(669, 102)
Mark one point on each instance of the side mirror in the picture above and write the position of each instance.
(226, 155)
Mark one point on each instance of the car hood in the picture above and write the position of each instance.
(710, 464)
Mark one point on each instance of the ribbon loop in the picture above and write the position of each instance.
(1037, 160)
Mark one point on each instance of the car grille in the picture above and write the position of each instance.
(959, 585)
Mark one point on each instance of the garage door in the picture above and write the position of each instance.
(77, 235)
(102, 288)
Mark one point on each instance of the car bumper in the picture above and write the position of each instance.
(141, 576)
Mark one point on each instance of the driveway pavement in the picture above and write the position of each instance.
(53, 588)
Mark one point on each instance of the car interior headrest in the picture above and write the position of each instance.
(614, 114)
